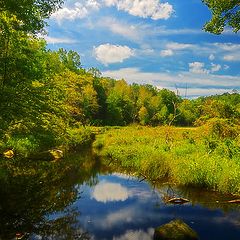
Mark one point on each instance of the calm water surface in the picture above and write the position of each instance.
(78, 198)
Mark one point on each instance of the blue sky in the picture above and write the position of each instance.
(149, 41)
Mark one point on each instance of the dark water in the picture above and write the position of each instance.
(79, 198)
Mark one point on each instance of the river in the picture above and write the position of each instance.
(80, 198)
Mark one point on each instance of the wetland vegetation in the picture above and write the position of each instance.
(49, 101)
(184, 156)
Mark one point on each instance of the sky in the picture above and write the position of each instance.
(149, 42)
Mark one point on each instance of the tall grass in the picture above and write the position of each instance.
(182, 155)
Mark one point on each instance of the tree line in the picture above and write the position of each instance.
(45, 93)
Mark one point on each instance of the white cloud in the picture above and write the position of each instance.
(163, 30)
(195, 92)
(171, 47)
(211, 57)
(124, 29)
(54, 40)
(109, 192)
(215, 67)
(81, 9)
(228, 51)
(198, 84)
(145, 50)
(227, 46)
(198, 68)
(166, 53)
(226, 67)
(143, 8)
(179, 46)
(107, 53)
(232, 57)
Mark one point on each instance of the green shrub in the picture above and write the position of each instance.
(221, 128)
(22, 145)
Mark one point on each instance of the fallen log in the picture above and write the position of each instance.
(177, 200)
(234, 201)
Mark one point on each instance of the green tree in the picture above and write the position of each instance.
(143, 116)
(188, 113)
(224, 13)
(120, 104)
(30, 14)
(169, 99)
(70, 59)
(162, 115)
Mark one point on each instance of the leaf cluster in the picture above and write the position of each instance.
(224, 13)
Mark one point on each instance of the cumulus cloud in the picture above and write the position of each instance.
(198, 68)
(108, 192)
(81, 9)
(215, 67)
(107, 53)
(143, 8)
(166, 53)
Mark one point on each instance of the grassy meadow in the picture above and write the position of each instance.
(207, 156)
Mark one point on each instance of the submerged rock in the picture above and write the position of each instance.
(56, 153)
(49, 155)
(175, 230)
(8, 154)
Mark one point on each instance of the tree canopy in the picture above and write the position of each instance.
(224, 13)
(29, 14)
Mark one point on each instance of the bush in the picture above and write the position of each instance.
(21, 145)
(221, 128)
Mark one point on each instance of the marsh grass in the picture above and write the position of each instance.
(182, 155)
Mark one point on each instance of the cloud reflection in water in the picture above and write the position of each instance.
(109, 192)
(136, 235)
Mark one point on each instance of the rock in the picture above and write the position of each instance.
(8, 154)
(49, 155)
(56, 153)
(175, 230)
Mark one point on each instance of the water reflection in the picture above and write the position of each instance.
(139, 234)
(77, 198)
(108, 192)
(32, 191)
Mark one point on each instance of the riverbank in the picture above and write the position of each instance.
(206, 157)
(28, 145)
